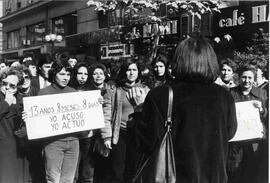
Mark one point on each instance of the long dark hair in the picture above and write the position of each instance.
(195, 61)
(121, 78)
(161, 58)
(74, 82)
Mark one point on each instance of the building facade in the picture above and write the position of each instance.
(1, 27)
(85, 32)
(88, 33)
(236, 27)
(27, 22)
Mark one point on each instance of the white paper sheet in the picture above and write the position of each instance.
(249, 125)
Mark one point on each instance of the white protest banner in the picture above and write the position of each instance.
(51, 115)
(249, 125)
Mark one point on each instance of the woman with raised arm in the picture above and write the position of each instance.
(127, 98)
(11, 158)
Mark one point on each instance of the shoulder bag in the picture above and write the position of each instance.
(159, 167)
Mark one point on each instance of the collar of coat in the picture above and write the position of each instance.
(256, 92)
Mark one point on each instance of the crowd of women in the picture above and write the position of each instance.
(134, 107)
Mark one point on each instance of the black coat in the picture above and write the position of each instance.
(35, 82)
(204, 120)
(11, 161)
(254, 94)
(248, 164)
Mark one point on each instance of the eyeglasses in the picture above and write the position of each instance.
(12, 86)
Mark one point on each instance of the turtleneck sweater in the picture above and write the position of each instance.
(55, 89)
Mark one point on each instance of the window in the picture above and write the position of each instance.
(111, 18)
(184, 25)
(65, 25)
(206, 25)
(162, 10)
(8, 7)
(19, 4)
(13, 39)
(35, 33)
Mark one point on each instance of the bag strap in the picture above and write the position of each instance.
(168, 122)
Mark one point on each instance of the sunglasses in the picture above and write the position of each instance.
(12, 86)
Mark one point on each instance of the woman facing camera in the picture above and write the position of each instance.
(126, 99)
(61, 152)
(32, 148)
(159, 66)
(247, 157)
(11, 159)
(227, 70)
(98, 73)
(80, 80)
(203, 115)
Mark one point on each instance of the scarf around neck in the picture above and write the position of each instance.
(127, 86)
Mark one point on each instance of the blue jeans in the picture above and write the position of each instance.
(61, 158)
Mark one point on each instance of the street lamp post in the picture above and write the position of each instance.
(52, 38)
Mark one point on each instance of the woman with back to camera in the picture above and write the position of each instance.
(203, 115)
(246, 157)
(60, 152)
(127, 98)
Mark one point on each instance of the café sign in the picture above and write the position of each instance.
(259, 14)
